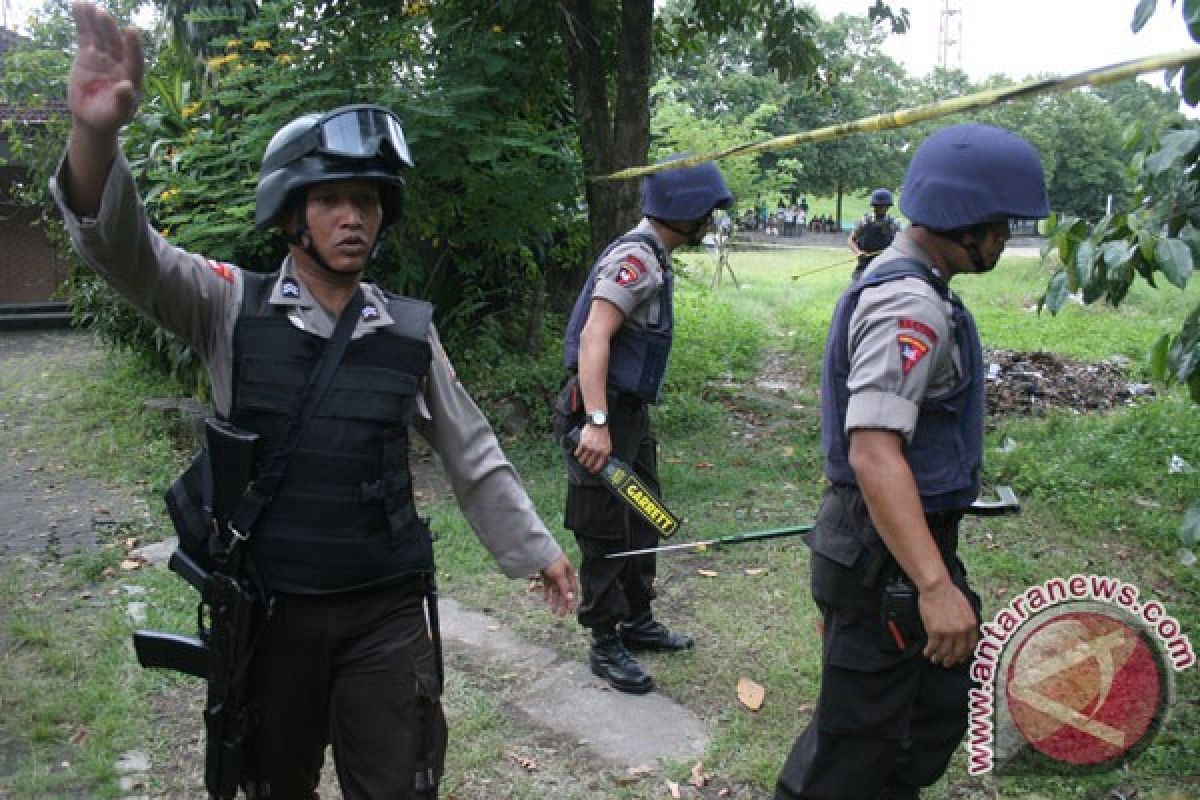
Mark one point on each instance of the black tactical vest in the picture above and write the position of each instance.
(344, 516)
(874, 237)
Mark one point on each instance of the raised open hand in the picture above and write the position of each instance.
(106, 77)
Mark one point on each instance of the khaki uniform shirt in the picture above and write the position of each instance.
(902, 348)
(631, 278)
(198, 299)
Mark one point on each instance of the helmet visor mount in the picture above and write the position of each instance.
(361, 132)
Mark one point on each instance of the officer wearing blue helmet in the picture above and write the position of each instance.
(870, 237)
(618, 341)
(902, 399)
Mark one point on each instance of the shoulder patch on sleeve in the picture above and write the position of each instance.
(912, 350)
(631, 271)
(225, 271)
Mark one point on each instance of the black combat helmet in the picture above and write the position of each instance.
(359, 142)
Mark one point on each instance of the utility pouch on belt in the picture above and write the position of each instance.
(900, 619)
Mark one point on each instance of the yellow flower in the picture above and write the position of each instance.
(232, 43)
(191, 108)
(497, 29)
(166, 196)
(262, 44)
(284, 58)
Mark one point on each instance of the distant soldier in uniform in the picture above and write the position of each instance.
(871, 236)
(618, 340)
(902, 400)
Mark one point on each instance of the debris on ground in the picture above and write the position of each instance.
(1030, 383)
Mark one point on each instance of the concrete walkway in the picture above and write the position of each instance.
(564, 697)
(558, 694)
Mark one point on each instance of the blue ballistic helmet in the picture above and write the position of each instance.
(686, 193)
(881, 197)
(966, 175)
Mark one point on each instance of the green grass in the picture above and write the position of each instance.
(1097, 497)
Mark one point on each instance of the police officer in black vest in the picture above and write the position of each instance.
(872, 236)
(346, 657)
(902, 400)
(618, 341)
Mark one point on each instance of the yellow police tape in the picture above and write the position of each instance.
(642, 500)
(904, 117)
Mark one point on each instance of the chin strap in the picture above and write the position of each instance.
(688, 233)
(972, 250)
(303, 239)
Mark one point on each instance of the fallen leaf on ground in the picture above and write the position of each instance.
(805, 708)
(673, 788)
(756, 570)
(699, 777)
(703, 465)
(640, 769)
(708, 573)
(750, 694)
(80, 736)
(525, 762)
(132, 563)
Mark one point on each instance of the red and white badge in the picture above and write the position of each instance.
(632, 270)
(912, 350)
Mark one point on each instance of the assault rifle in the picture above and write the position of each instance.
(232, 608)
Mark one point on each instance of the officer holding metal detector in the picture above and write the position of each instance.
(618, 340)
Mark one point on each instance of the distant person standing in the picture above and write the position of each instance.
(872, 236)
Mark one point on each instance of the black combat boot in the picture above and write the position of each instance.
(644, 632)
(611, 661)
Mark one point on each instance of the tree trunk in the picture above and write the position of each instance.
(838, 215)
(609, 143)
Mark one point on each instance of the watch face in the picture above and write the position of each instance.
(598, 418)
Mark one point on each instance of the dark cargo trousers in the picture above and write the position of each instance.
(887, 720)
(614, 589)
(883, 728)
(356, 670)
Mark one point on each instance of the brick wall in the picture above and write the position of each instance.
(29, 270)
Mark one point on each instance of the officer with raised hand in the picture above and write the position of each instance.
(346, 657)
(872, 236)
(902, 402)
(618, 340)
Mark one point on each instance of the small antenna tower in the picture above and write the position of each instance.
(950, 37)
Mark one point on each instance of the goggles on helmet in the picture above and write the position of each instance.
(351, 132)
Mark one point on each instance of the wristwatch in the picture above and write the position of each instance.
(597, 418)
